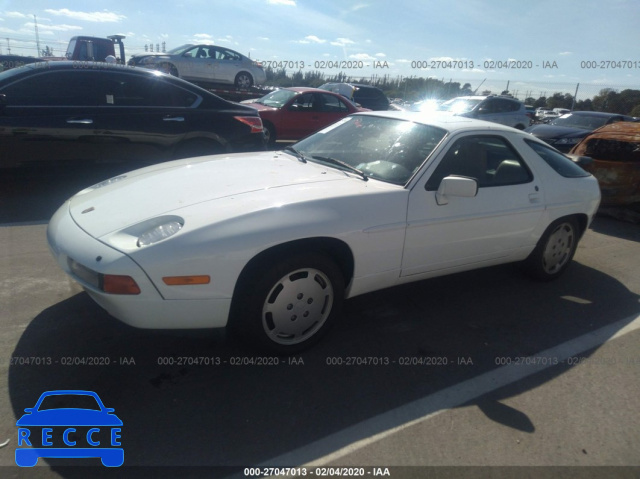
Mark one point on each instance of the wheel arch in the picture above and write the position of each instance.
(336, 249)
(583, 222)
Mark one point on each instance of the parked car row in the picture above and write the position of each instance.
(566, 131)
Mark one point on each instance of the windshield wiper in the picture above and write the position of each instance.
(342, 164)
(295, 153)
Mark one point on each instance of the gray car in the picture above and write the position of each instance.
(205, 64)
(498, 109)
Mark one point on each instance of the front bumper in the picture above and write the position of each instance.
(83, 258)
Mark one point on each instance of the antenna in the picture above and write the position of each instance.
(35, 21)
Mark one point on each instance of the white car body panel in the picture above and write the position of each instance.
(236, 206)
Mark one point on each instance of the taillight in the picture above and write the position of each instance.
(255, 122)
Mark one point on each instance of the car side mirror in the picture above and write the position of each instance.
(295, 107)
(456, 186)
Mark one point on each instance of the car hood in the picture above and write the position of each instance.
(553, 131)
(150, 54)
(168, 187)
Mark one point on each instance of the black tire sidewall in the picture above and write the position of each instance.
(533, 265)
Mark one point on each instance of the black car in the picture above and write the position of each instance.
(567, 131)
(366, 96)
(63, 111)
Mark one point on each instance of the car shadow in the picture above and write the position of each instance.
(194, 398)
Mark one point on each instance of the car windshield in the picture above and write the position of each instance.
(180, 50)
(66, 401)
(277, 98)
(586, 122)
(387, 149)
(459, 105)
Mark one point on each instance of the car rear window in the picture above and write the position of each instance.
(556, 160)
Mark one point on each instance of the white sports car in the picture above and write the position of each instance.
(269, 244)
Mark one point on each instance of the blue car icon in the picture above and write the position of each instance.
(54, 429)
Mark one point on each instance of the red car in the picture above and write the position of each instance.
(293, 113)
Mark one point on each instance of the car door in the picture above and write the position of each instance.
(457, 233)
(227, 64)
(310, 112)
(141, 117)
(196, 64)
(49, 117)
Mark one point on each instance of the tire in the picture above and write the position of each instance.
(169, 68)
(288, 306)
(270, 135)
(243, 81)
(554, 252)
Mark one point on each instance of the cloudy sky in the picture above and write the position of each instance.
(461, 39)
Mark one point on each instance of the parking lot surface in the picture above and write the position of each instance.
(479, 374)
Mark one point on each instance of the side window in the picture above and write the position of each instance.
(133, 90)
(556, 160)
(54, 88)
(304, 102)
(490, 160)
(329, 104)
(191, 53)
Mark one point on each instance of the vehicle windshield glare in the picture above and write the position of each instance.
(277, 98)
(386, 149)
(458, 105)
(586, 122)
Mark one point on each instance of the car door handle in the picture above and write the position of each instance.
(80, 121)
(534, 198)
(173, 118)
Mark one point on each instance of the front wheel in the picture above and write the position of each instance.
(554, 251)
(291, 304)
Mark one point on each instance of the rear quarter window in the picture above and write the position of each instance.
(556, 160)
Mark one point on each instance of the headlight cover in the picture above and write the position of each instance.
(159, 233)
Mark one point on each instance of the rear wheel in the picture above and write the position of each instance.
(243, 80)
(270, 135)
(554, 251)
(289, 305)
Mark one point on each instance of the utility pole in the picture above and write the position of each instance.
(35, 22)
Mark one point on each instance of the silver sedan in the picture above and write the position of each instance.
(205, 63)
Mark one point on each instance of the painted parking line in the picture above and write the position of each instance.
(360, 435)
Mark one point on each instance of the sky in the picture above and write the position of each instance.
(493, 41)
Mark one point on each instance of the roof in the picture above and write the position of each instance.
(446, 121)
(622, 129)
